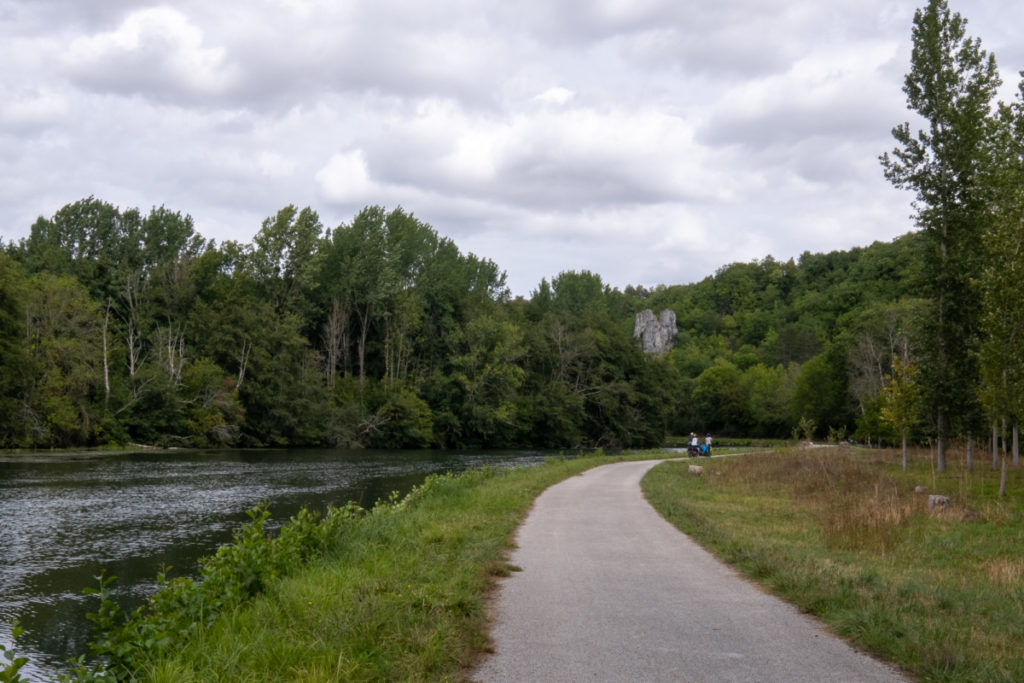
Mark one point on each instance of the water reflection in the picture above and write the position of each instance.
(63, 519)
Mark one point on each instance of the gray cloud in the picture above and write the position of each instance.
(43, 16)
(651, 141)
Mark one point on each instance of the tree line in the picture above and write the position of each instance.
(123, 327)
(965, 165)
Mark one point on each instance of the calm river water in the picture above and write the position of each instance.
(64, 518)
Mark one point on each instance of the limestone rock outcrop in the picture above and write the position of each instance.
(656, 334)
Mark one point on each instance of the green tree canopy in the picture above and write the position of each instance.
(951, 84)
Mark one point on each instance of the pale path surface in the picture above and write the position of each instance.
(610, 591)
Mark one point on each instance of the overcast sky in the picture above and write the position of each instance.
(649, 141)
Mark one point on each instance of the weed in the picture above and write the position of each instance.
(184, 606)
(1005, 572)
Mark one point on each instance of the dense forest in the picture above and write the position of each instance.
(123, 327)
(118, 326)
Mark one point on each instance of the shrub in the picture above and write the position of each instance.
(183, 605)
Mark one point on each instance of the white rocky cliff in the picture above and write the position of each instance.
(656, 334)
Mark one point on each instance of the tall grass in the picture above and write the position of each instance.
(843, 534)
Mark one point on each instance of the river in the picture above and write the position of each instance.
(64, 518)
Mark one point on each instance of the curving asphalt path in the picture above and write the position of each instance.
(610, 591)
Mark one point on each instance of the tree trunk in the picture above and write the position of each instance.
(364, 320)
(904, 450)
(106, 362)
(970, 452)
(133, 349)
(995, 445)
(132, 291)
(243, 361)
(174, 346)
(334, 336)
(1002, 480)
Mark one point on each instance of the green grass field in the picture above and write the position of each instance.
(842, 534)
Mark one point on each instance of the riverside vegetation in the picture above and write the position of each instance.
(393, 593)
(842, 534)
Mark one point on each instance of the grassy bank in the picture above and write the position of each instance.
(842, 534)
(400, 596)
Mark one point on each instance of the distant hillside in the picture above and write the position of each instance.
(763, 344)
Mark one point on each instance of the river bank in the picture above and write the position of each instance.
(43, 455)
(134, 514)
(399, 595)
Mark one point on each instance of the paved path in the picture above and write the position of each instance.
(610, 591)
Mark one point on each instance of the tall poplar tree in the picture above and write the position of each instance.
(1002, 278)
(951, 84)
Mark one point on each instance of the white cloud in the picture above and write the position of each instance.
(345, 179)
(556, 95)
(274, 165)
(151, 51)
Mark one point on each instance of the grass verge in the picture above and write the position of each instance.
(843, 534)
(401, 597)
